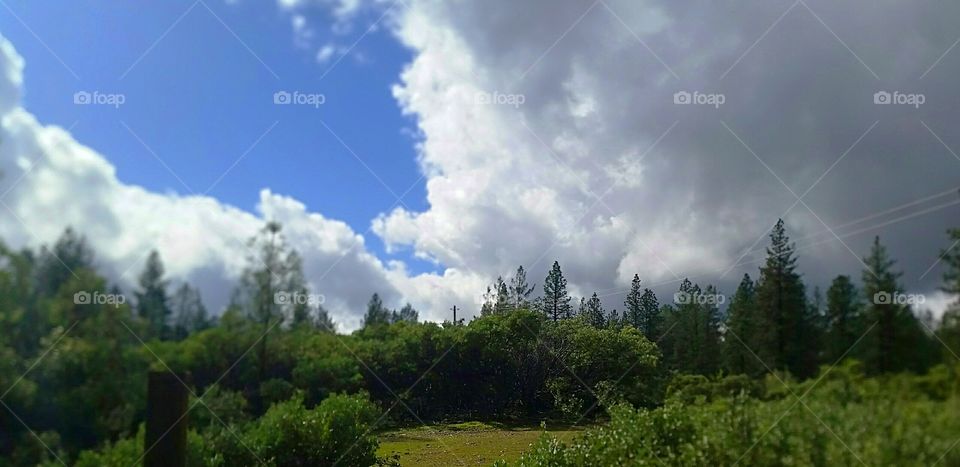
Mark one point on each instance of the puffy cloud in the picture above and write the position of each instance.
(549, 131)
(51, 181)
(551, 125)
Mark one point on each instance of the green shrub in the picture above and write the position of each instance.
(843, 420)
(692, 388)
(338, 430)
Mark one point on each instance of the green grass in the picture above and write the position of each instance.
(470, 443)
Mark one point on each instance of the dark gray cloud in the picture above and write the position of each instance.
(798, 81)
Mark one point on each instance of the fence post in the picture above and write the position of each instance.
(165, 443)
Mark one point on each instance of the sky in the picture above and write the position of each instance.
(435, 145)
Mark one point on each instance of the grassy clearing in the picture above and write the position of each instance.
(471, 443)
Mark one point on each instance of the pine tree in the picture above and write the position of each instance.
(323, 321)
(709, 319)
(556, 301)
(844, 320)
(669, 342)
(503, 303)
(376, 313)
(189, 314)
(742, 332)
(407, 314)
(520, 291)
(595, 314)
(948, 330)
(650, 317)
(897, 341)
(951, 258)
(489, 302)
(57, 265)
(152, 301)
(614, 320)
(633, 313)
(781, 301)
(273, 274)
(693, 343)
(642, 310)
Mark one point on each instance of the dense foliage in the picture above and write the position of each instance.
(843, 419)
(270, 376)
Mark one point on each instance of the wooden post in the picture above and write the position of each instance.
(454, 315)
(165, 443)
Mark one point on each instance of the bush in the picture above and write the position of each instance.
(844, 420)
(336, 431)
(693, 388)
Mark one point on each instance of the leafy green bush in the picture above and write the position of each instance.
(289, 434)
(843, 420)
(691, 388)
(338, 430)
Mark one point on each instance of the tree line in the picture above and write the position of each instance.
(771, 323)
(74, 372)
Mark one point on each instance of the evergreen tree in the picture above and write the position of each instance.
(189, 314)
(376, 313)
(407, 314)
(614, 319)
(594, 312)
(650, 317)
(897, 341)
(503, 303)
(520, 291)
(951, 258)
(274, 272)
(781, 301)
(58, 265)
(298, 307)
(556, 301)
(844, 320)
(152, 301)
(949, 329)
(708, 361)
(816, 327)
(742, 331)
(633, 313)
(693, 344)
(669, 342)
(323, 321)
(489, 302)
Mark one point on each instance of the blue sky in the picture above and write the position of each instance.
(685, 190)
(199, 99)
